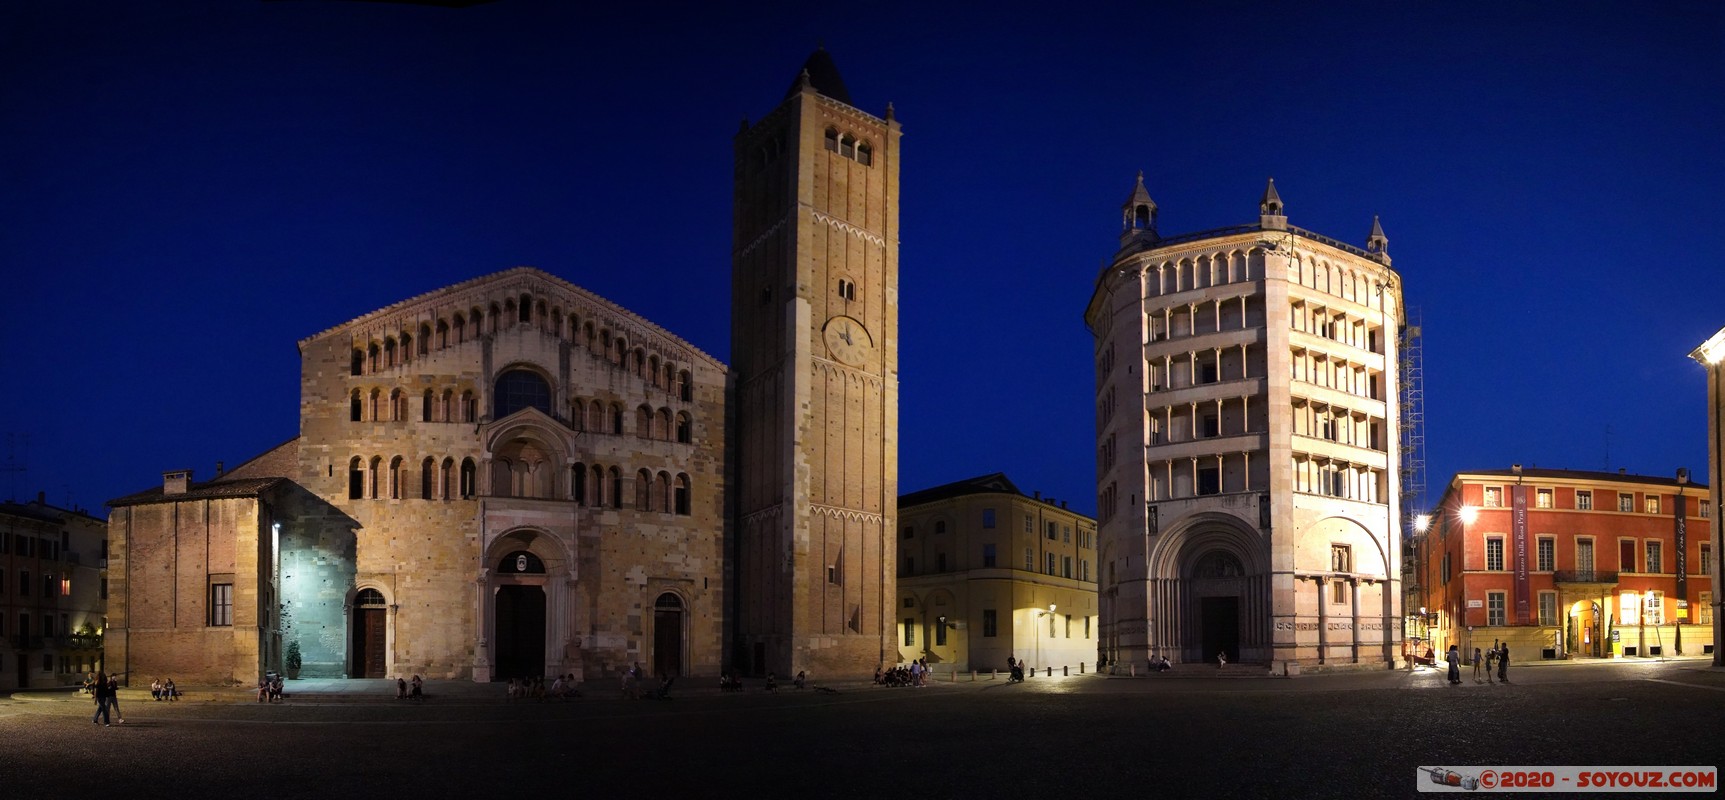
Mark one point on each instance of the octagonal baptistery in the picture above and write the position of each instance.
(1246, 435)
(535, 481)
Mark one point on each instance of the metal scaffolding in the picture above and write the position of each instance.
(1410, 385)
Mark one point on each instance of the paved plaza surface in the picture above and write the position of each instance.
(1190, 735)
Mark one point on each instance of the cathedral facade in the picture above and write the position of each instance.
(1247, 419)
(515, 477)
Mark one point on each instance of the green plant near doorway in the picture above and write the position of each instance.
(291, 659)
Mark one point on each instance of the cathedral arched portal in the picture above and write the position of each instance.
(1209, 592)
(526, 594)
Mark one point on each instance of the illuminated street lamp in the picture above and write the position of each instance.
(1709, 355)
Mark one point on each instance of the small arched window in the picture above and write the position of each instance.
(643, 490)
(397, 405)
(356, 411)
(460, 330)
(496, 317)
(616, 419)
(372, 355)
(389, 352)
(662, 493)
(598, 486)
(578, 484)
(865, 154)
(682, 495)
(832, 140)
(374, 476)
(469, 407)
(425, 338)
(406, 348)
(425, 410)
(614, 480)
(644, 422)
(596, 417)
(446, 412)
(848, 146)
(444, 476)
(427, 476)
(371, 412)
(369, 598)
(395, 477)
(358, 361)
(526, 308)
(685, 386)
(469, 473)
(685, 430)
(355, 479)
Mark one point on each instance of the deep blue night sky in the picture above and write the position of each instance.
(189, 188)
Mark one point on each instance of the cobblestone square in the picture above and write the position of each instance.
(1188, 735)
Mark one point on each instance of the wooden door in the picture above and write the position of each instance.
(369, 656)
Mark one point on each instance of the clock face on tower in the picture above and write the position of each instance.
(847, 340)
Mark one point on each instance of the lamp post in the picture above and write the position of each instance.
(1709, 355)
(1467, 514)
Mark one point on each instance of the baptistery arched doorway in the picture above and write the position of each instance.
(1209, 591)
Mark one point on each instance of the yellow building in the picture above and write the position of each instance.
(987, 573)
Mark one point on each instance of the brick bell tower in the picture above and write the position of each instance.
(814, 351)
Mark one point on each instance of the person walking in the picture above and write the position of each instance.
(101, 691)
(1502, 664)
(1478, 664)
(1490, 662)
(1454, 656)
(114, 699)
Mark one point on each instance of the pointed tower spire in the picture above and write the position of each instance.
(1377, 244)
(1138, 215)
(820, 72)
(1271, 216)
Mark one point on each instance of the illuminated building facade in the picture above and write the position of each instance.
(1246, 407)
(1570, 564)
(53, 589)
(987, 572)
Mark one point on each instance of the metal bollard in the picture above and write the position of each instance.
(1131, 670)
(1050, 673)
(1081, 668)
(994, 674)
(1065, 671)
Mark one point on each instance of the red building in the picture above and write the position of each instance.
(1566, 564)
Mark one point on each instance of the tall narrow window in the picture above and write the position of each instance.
(221, 604)
(988, 555)
(1494, 608)
(1547, 560)
(990, 623)
(1494, 555)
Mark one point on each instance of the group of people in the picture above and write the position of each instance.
(913, 674)
(1497, 657)
(160, 690)
(562, 688)
(106, 690)
(270, 688)
(409, 690)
